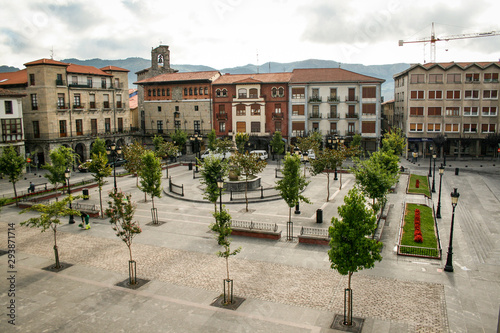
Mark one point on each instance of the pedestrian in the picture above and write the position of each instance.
(31, 188)
(83, 219)
(87, 221)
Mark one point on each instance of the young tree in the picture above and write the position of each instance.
(100, 170)
(350, 248)
(327, 162)
(250, 165)
(150, 174)
(292, 183)
(50, 215)
(121, 213)
(98, 146)
(164, 149)
(179, 137)
(61, 159)
(277, 144)
(12, 165)
(211, 169)
(241, 140)
(222, 227)
(307, 143)
(223, 145)
(133, 154)
(212, 139)
(394, 141)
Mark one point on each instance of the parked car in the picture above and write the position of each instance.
(208, 152)
(261, 153)
(84, 167)
(119, 162)
(310, 155)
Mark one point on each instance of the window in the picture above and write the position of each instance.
(222, 108)
(274, 92)
(177, 115)
(434, 111)
(241, 127)
(217, 93)
(255, 110)
(435, 94)
(8, 107)
(190, 91)
(470, 128)
(433, 127)
(452, 127)
(470, 111)
(196, 126)
(92, 101)
(298, 93)
(471, 77)
(298, 128)
(370, 109)
(435, 78)
(489, 111)
(297, 110)
(369, 92)
(490, 94)
(417, 94)
(351, 112)
(471, 94)
(196, 91)
(222, 127)
(154, 92)
(453, 111)
(79, 126)
(185, 91)
(333, 128)
(89, 81)
(61, 101)
(281, 92)
(117, 83)
(315, 111)
(416, 127)
(315, 127)
(315, 93)
(107, 125)
(77, 101)
(168, 91)
(201, 90)
(176, 108)
(351, 128)
(277, 126)
(159, 108)
(453, 94)
(277, 108)
(240, 110)
(119, 101)
(103, 83)
(242, 93)
(36, 129)
(93, 126)
(159, 126)
(120, 125)
(333, 93)
(34, 102)
(224, 92)
(490, 77)
(32, 79)
(254, 93)
(163, 92)
(453, 78)
(106, 101)
(368, 127)
(149, 92)
(11, 130)
(417, 78)
(488, 128)
(416, 111)
(255, 126)
(333, 111)
(158, 92)
(62, 128)
(196, 108)
(59, 80)
(177, 124)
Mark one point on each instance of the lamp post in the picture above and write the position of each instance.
(430, 161)
(114, 151)
(434, 173)
(306, 159)
(444, 149)
(196, 139)
(449, 260)
(67, 175)
(441, 172)
(220, 185)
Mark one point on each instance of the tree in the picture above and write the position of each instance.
(356, 141)
(250, 165)
(100, 170)
(327, 162)
(350, 248)
(277, 144)
(179, 137)
(61, 159)
(12, 165)
(121, 213)
(150, 174)
(50, 215)
(292, 183)
(394, 141)
(492, 140)
(163, 149)
(98, 146)
(133, 153)
(307, 143)
(212, 139)
(241, 140)
(222, 227)
(223, 145)
(211, 169)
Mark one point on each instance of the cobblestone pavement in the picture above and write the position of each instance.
(419, 304)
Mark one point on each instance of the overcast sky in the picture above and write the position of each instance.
(227, 33)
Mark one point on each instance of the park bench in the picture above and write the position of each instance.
(33, 187)
(255, 229)
(309, 235)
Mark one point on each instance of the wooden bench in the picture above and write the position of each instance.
(255, 229)
(318, 236)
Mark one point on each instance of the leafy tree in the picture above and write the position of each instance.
(292, 183)
(316, 136)
(492, 140)
(133, 153)
(222, 227)
(212, 139)
(394, 141)
(350, 248)
(61, 159)
(223, 145)
(250, 165)
(327, 162)
(307, 143)
(179, 137)
(211, 169)
(163, 149)
(100, 170)
(12, 165)
(277, 144)
(356, 144)
(98, 146)
(241, 140)
(121, 213)
(50, 215)
(150, 174)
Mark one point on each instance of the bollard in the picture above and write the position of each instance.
(190, 166)
(456, 171)
(319, 216)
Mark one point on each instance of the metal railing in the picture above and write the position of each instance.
(309, 231)
(174, 188)
(254, 194)
(250, 225)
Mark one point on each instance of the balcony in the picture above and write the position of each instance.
(78, 107)
(333, 99)
(351, 99)
(277, 115)
(80, 85)
(62, 106)
(315, 99)
(314, 115)
(333, 115)
(351, 116)
(117, 86)
(60, 83)
(221, 116)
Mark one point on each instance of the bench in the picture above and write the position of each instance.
(255, 229)
(32, 187)
(318, 236)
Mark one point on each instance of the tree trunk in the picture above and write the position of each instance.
(327, 186)
(246, 190)
(349, 314)
(56, 251)
(228, 284)
(15, 193)
(289, 214)
(100, 201)
(153, 201)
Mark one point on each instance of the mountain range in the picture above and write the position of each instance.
(136, 64)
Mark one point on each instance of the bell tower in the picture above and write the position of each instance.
(160, 58)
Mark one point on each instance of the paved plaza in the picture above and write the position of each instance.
(287, 286)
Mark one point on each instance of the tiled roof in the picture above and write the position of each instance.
(253, 78)
(14, 78)
(185, 76)
(81, 69)
(133, 100)
(9, 93)
(449, 65)
(114, 68)
(45, 62)
(309, 75)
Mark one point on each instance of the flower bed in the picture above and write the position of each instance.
(423, 185)
(419, 236)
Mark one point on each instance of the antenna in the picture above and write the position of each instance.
(52, 53)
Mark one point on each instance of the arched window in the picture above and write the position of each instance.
(185, 91)
(224, 92)
(274, 92)
(201, 90)
(158, 92)
(168, 91)
(196, 91)
(154, 92)
(281, 91)
(163, 92)
(242, 93)
(190, 91)
(149, 92)
(240, 110)
(217, 93)
(254, 93)
(206, 91)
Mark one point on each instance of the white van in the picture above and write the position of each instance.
(261, 153)
(214, 154)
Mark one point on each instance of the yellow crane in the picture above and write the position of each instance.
(433, 39)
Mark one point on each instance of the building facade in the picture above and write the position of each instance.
(71, 105)
(389, 118)
(453, 105)
(11, 118)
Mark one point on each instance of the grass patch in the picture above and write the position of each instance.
(426, 226)
(423, 185)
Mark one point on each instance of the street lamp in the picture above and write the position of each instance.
(220, 185)
(306, 159)
(196, 139)
(337, 141)
(114, 151)
(67, 175)
(430, 160)
(441, 172)
(449, 260)
(434, 173)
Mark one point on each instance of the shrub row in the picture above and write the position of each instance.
(418, 233)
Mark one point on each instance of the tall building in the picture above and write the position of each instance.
(11, 118)
(454, 105)
(68, 104)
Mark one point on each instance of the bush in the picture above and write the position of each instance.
(418, 233)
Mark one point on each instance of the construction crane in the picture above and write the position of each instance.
(433, 39)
